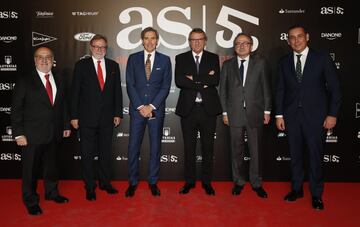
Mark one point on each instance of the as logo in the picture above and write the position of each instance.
(181, 29)
(8, 15)
(332, 10)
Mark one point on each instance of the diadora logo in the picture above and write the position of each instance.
(38, 39)
(84, 36)
(181, 29)
(8, 15)
(291, 11)
(8, 38)
(332, 10)
(44, 14)
(331, 35)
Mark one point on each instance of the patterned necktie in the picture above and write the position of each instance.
(197, 62)
(298, 68)
(148, 67)
(48, 88)
(241, 71)
(100, 75)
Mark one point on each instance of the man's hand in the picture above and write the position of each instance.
(280, 123)
(75, 123)
(226, 119)
(329, 122)
(266, 119)
(66, 133)
(21, 141)
(117, 121)
(145, 111)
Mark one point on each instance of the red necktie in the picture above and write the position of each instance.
(49, 89)
(100, 75)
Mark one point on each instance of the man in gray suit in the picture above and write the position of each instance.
(246, 100)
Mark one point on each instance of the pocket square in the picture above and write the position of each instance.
(212, 72)
(157, 69)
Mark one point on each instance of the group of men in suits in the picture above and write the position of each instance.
(307, 102)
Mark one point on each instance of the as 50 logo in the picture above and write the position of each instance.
(182, 29)
(10, 157)
(332, 10)
(8, 15)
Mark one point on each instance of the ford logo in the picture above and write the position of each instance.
(84, 36)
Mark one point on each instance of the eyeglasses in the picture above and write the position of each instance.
(99, 47)
(246, 44)
(196, 40)
(44, 58)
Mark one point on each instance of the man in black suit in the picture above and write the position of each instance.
(307, 102)
(197, 75)
(39, 121)
(246, 101)
(96, 108)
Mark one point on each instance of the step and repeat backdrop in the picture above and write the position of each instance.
(67, 26)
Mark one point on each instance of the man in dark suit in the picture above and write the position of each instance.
(148, 81)
(197, 75)
(39, 121)
(96, 108)
(307, 102)
(246, 101)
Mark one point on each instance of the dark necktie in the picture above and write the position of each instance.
(100, 75)
(241, 71)
(298, 68)
(198, 95)
(148, 67)
(48, 88)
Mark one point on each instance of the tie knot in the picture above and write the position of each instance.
(298, 56)
(197, 57)
(242, 61)
(98, 61)
(149, 56)
(47, 76)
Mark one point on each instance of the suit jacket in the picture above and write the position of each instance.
(256, 92)
(32, 114)
(89, 104)
(144, 92)
(185, 65)
(318, 93)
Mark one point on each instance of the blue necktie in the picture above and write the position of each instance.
(298, 68)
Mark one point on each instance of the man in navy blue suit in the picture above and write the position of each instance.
(148, 81)
(307, 102)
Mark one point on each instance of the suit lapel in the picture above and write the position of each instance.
(250, 69)
(235, 69)
(292, 65)
(58, 89)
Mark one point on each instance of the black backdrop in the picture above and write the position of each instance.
(66, 26)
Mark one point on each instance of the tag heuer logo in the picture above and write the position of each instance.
(38, 39)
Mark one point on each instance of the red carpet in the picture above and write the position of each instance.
(172, 209)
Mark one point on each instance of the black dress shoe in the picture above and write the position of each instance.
(317, 203)
(109, 189)
(187, 187)
(155, 191)
(58, 199)
(236, 190)
(294, 195)
(260, 192)
(34, 210)
(130, 191)
(208, 189)
(90, 195)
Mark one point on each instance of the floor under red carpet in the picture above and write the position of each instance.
(172, 209)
